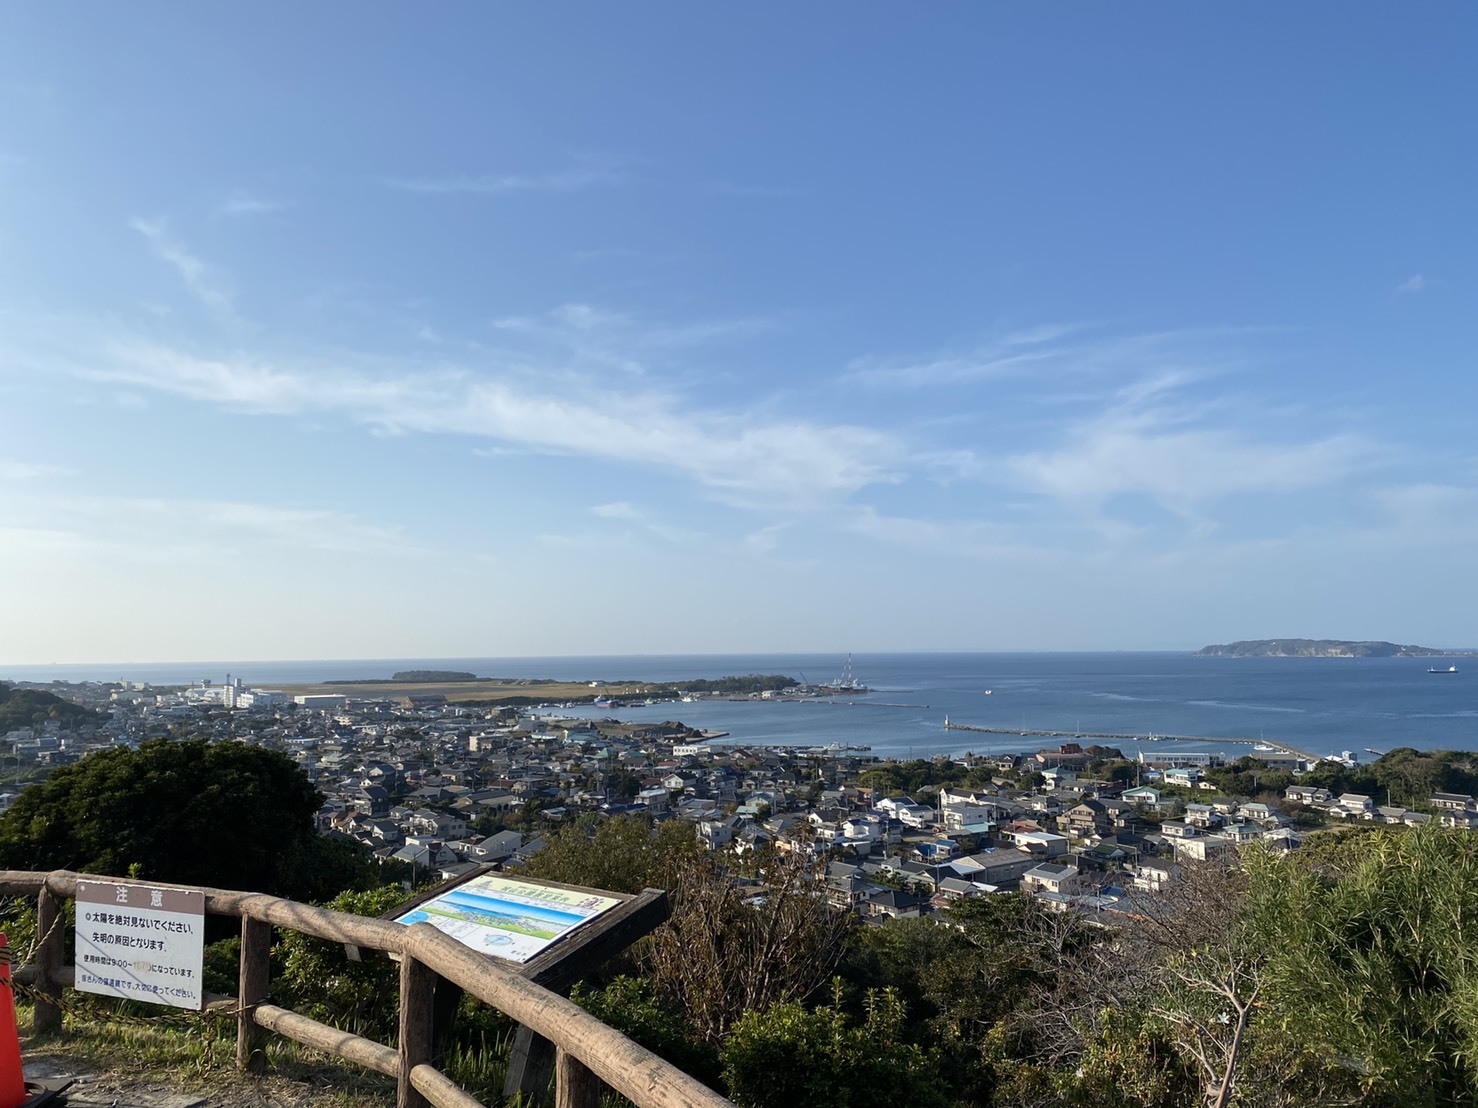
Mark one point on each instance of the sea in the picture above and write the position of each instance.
(1363, 706)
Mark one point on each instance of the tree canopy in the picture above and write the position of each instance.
(24, 707)
(228, 815)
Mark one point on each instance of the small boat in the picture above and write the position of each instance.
(987, 692)
(1264, 747)
(1438, 669)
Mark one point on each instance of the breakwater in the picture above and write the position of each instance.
(1129, 737)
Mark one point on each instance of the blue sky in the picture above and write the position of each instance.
(359, 330)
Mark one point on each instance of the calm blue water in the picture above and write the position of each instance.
(1322, 705)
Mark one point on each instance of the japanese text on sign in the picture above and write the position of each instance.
(140, 942)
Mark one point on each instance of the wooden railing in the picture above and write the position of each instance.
(587, 1051)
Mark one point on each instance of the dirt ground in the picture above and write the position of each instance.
(110, 1088)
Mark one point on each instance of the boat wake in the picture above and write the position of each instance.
(1245, 707)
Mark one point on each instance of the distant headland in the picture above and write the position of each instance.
(1319, 648)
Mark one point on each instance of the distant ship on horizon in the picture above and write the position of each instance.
(1439, 669)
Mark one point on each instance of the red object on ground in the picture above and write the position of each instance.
(12, 1083)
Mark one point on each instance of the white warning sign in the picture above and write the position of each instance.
(140, 942)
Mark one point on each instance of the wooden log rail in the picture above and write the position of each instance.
(589, 1053)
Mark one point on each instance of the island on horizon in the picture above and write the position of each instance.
(1322, 648)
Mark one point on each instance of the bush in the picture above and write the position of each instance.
(787, 1055)
(317, 978)
(630, 1005)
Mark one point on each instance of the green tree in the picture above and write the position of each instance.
(622, 855)
(1373, 958)
(227, 815)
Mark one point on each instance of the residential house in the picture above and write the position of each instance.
(1050, 877)
(951, 889)
(1202, 815)
(1201, 848)
(1042, 845)
(1001, 866)
(1454, 802)
(1088, 819)
(1355, 806)
(495, 848)
(716, 833)
(1154, 876)
(893, 903)
(1145, 796)
(1308, 795)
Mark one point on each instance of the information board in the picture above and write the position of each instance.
(506, 917)
(140, 942)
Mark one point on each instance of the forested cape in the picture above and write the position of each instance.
(29, 707)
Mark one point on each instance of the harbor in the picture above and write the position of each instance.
(1127, 737)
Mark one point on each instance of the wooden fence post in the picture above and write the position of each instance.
(50, 950)
(417, 1018)
(530, 1061)
(256, 967)
(574, 1085)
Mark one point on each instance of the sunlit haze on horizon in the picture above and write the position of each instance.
(380, 331)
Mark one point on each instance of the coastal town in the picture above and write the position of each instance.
(440, 788)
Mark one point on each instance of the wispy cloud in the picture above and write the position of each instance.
(1149, 443)
(241, 203)
(619, 509)
(27, 471)
(1059, 350)
(204, 280)
(164, 529)
(1413, 284)
(592, 174)
(765, 540)
(736, 454)
(612, 339)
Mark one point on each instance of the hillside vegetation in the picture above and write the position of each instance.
(1317, 648)
(26, 707)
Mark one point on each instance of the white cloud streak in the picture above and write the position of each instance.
(194, 524)
(203, 280)
(1147, 444)
(619, 509)
(1051, 352)
(244, 204)
(740, 457)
